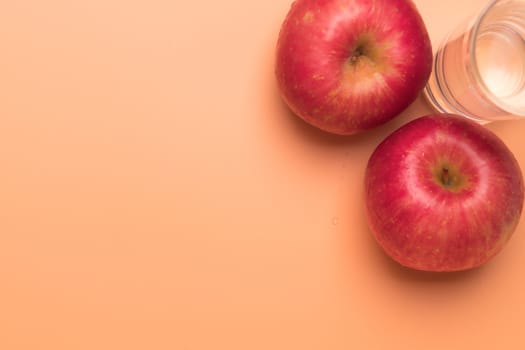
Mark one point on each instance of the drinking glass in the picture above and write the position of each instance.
(479, 69)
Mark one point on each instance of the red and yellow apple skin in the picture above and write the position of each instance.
(443, 194)
(346, 66)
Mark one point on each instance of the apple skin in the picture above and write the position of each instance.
(346, 66)
(443, 194)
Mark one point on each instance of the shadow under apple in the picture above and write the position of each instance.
(406, 274)
(367, 139)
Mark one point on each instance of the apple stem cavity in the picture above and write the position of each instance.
(446, 178)
(358, 52)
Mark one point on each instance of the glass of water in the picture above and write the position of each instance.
(479, 70)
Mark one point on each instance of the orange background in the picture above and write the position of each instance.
(156, 193)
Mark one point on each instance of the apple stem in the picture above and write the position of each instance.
(358, 52)
(445, 177)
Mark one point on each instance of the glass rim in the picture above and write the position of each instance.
(473, 62)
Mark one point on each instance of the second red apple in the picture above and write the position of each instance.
(443, 194)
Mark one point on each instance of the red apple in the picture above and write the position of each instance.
(345, 66)
(443, 194)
